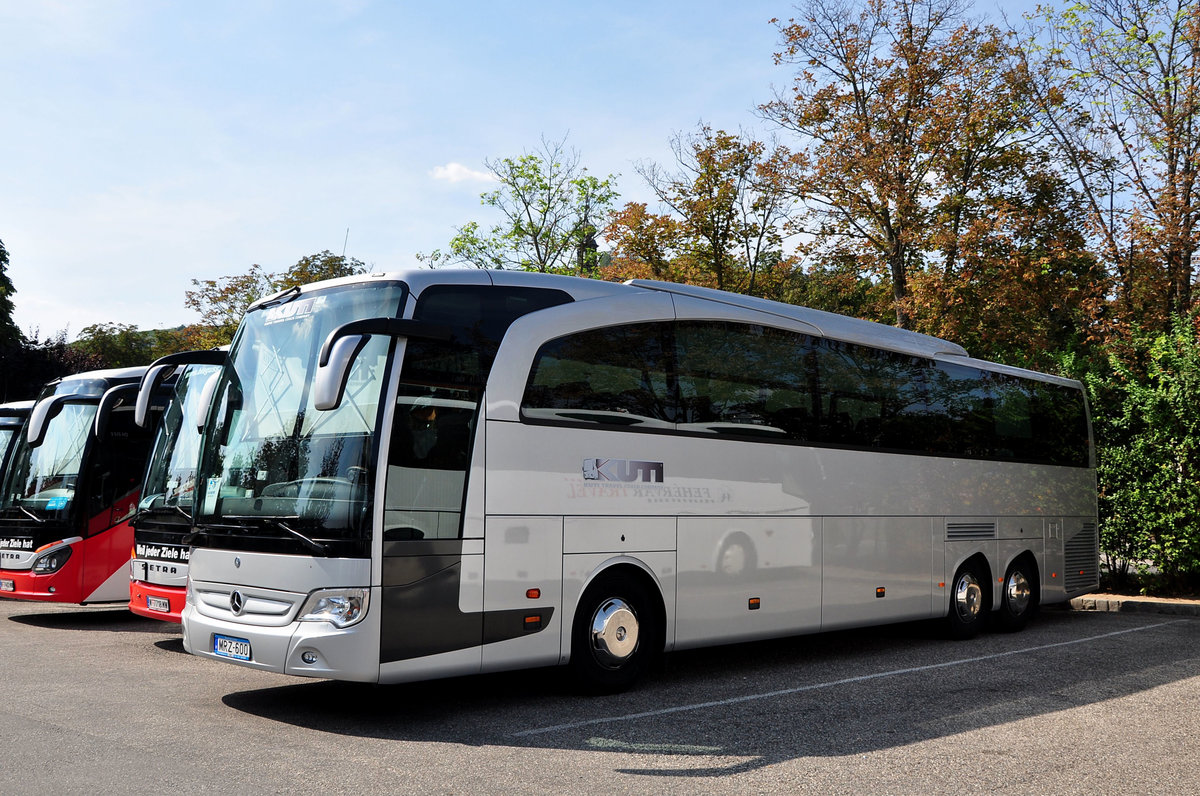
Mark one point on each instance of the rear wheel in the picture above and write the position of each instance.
(1019, 598)
(615, 634)
(970, 602)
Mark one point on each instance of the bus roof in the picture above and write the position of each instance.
(108, 374)
(825, 324)
(16, 408)
(829, 324)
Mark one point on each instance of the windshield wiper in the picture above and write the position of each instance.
(309, 542)
(281, 297)
(30, 514)
(158, 511)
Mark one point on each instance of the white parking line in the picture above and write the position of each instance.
(829, 684)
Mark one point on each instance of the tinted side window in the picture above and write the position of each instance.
(870, 398)
(757, 382)
(744, 380)
(962, 411)
(614, 376)
(997, 416)
(479, 315)
(1059, 427)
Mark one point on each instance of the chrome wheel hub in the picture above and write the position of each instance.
(614, 633)
(968, 597)
(1018, 591)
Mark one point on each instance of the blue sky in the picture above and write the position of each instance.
(147, 143)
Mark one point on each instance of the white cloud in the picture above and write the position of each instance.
(457, 172)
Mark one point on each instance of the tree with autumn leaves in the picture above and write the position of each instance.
(919, 166)
(221, 303)
(723, 218)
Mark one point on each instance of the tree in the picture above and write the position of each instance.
(725, 216)
(25, 368)
(9, 333)
(317, 267)
(1024, 288)
(839, 285)
(222, 302)
(904, 119)
(645, 245)
(1149, 456)
(1119, 90)
(116, 345)
(550, 209)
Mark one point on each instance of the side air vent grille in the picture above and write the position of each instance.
(957, 531)
(1082, 560)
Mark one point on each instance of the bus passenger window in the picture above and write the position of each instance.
(615, 376)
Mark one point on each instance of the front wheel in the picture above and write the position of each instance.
(969, 602)
(1019, 599)
(615, 634)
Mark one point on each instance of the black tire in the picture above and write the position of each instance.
(1019, 596)
(616, 634)
(970, 602)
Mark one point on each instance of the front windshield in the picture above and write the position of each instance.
(171, 477)
(272, 461)
(43, 479)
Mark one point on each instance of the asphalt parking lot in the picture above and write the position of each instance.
(98, 700)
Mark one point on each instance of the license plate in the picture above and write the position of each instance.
(7, 585)
(158, 604)
(227, 647)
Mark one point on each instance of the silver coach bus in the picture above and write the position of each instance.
(433, 473)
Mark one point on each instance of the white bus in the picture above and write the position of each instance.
(434, 473)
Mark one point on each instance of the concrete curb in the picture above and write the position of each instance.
(1144, 605)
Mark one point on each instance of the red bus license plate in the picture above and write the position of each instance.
(160, 604)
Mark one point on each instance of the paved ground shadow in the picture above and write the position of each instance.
(842, 694)
(112, 619)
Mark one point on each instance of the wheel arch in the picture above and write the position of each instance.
(626, 566)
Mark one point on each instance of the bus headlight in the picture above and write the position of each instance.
(52, 561)
(341, 607)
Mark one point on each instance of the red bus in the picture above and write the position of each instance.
(158, 569)
(71, 487)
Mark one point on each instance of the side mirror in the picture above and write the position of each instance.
(330, 383)
(345, 342)
(43, 412)
(151, 380)
(162, 367)
(108, 402)
(206, 399)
